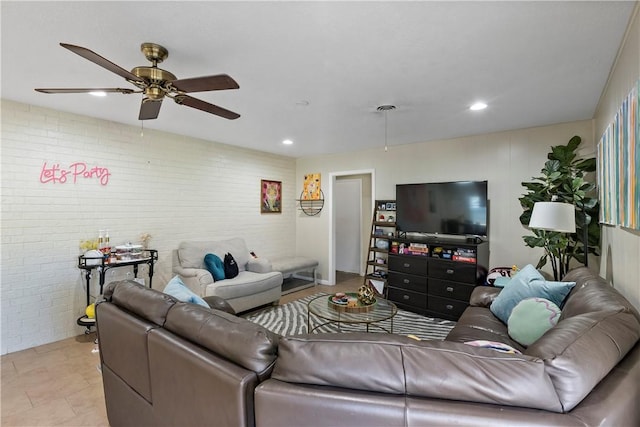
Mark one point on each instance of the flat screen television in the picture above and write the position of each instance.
(453, 208)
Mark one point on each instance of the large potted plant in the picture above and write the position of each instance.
(564, 180)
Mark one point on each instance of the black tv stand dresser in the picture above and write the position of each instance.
(434, 276)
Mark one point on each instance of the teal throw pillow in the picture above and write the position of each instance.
(501, 281)
(177, 289)
(215, 266)
(531, 318)
(528, 283)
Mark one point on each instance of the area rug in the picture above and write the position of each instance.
(291, 319)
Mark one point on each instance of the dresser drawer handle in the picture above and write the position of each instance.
(407, 281)
(449, 289)
(450, 271)
(407, 265)
(449, 307)
(405, 297)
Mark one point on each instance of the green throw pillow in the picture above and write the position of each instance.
(531, 318)
(215, 266)
(528, 283)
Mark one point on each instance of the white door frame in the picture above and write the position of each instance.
(332, 216)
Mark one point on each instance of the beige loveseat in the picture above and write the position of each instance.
(255, 285)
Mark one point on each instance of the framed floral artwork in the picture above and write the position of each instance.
(270, 196)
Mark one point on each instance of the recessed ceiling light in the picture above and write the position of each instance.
(478, 106)
(287, 142)
(98, 93)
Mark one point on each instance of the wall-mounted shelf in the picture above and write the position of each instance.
(311, 207)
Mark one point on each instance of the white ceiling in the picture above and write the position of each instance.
(534, 63)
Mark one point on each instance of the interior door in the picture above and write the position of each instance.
(348, 219)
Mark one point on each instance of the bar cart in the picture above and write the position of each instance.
(102, 265)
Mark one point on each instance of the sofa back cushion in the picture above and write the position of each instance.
(191, 253)
(593, 293)
(580, 351)
(399, 365)
(238, 340)
(597, 328)
(144, 302)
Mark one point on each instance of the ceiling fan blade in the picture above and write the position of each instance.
(149, 109)
(103, 62)
(70, 90)
(205, 83)
(205, 106)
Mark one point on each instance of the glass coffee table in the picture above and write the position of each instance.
(321, 312)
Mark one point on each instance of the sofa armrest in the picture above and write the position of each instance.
(185, 272)
(219, 303)
(483, 296)
(259, 265)
(196, 279)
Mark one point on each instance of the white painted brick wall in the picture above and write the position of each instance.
(173, 187)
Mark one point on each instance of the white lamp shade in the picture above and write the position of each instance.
(553, 216)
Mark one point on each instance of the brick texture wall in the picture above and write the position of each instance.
(172, 187)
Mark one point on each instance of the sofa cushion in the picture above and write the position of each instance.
(478, 323)
(581, 350)
(593, 293)
(527, 283)
(244, 284)
(177, 289)
(531, 318)
(192, 253)
(236, 339)
(215, 266)
(148, 304)
(451, 372)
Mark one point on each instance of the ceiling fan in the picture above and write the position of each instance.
(156, 83)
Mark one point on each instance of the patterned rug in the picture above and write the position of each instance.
(291, 319)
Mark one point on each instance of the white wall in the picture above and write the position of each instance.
(173, 187)
(504, 159)
(619, 245)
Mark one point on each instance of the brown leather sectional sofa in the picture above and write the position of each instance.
(170, 363)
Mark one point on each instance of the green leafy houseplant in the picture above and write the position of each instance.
(563, 180)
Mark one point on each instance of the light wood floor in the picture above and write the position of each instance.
(59, 384)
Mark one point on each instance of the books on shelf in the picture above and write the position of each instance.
(422, 249)
(465, 255)
(464, 259)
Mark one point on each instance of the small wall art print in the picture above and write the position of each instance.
(311, 187)
(270, 196)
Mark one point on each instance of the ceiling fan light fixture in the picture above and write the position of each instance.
(478, 106)
(98, 93)
(287, 142)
